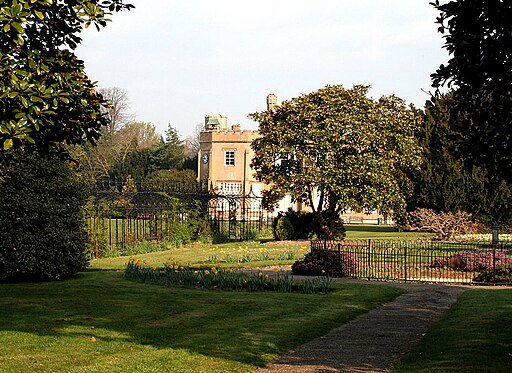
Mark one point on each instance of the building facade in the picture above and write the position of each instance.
(225, 156)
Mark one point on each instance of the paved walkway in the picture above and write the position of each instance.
(377, 340)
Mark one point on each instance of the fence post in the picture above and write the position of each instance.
(495, 241)
(339, 261)
(405, 262)
(368, 265)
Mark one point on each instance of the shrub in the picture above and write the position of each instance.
(471, 260)
(220, 237)
(284, 229)
(42, 228)
(502, 275)
(305, 224)
(319, 262)
(445, 225)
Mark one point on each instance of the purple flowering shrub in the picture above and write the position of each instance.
(319, 262)
(471, 260)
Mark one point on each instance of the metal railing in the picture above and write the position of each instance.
(414, 261)
(160, 212)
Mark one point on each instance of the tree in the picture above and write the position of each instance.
(478, 36)
(171, 153)
(445, 181)
(336, 149)
(117, 111)
(46, 98)
(42, 226)
(192, 144)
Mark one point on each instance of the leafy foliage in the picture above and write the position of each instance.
(284, 229)
(217, 278)
(472, 260)
(502, 274)
(330, 262)
(352, 152)
(46, 98)
(42, 229)
(478, 36)
(447, 181)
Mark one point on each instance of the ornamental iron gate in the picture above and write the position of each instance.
(120, 213)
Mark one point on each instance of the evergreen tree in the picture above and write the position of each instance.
(479, 40)
(446, 182)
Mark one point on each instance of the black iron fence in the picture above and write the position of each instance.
(413, 261)
(119, 214)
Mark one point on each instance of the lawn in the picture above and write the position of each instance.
(230, 255)
(99, 321)
(381, 232)
(249, 254)
(475, 336)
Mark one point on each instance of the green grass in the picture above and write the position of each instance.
(384, 232)
(475, 336)
(253, 254)
(99, 321)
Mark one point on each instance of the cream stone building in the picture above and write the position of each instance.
(225, 157)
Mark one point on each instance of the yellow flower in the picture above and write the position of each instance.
(260, 274)
(206, 272)
(195, 272)
(275, 270)
(266, 276)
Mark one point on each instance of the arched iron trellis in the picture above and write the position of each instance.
(156, 212)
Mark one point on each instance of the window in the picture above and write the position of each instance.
(229, 158)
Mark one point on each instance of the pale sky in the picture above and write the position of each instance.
(182, 60)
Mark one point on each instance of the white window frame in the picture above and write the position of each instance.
(229, 158)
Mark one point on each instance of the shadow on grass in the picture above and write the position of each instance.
(250, 328)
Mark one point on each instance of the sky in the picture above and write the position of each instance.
(179, 61)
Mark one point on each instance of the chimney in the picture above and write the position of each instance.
(271, 102)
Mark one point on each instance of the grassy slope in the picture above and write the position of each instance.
(474, 337)
(101, 322)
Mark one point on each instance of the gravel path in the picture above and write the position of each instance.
(377, 340)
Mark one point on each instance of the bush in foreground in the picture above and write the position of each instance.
(330, 262)
(42, 229)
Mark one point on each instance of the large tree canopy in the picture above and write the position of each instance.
(336, 149)
(445, 181)
(478, 36)
(45, 96)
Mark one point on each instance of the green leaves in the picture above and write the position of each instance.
(8, 144)
(336, 149)
(46, 97)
